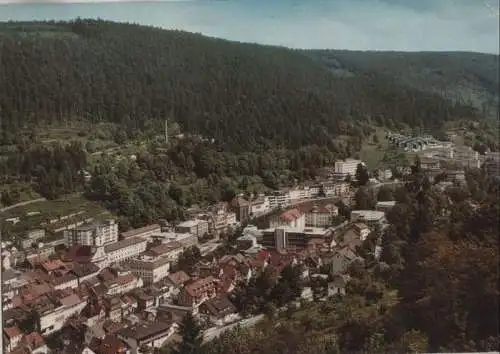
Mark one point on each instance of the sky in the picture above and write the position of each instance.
(401, 25)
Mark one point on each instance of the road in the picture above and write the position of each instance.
(212, 333)
(23, 204)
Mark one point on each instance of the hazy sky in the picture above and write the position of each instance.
(412, 25)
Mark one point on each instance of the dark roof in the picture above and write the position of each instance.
(143, 331)
(219, 306)
(84, 269)
(141, 230)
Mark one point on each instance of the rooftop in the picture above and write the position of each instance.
(145, 330)
(190, 223)
(124, 243)
(141, 230)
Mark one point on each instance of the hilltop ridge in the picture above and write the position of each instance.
(242, 95)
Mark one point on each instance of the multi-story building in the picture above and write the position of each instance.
(290, 218)
(279, 199)
(186, 239)
(147, 335)
(196, 227)
(260, 205)
(150, 269)
(124, 249)
(32, 236)
(53, 310)
(300, 193)
(332, 189)
(347, 167)
(170, 250)
(92, 234)
(320, 215)
(144, 232)
(242, 208)
(284, 238)
(195, 293)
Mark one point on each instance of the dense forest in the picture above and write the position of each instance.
(244, 96)
(457, 76)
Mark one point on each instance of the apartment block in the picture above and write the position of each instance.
(196, 227)
(124, 249)
(92, 234)
(285, 238)
(151, 269)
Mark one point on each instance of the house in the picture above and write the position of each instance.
(110, 344)
(178, 279)
(338, 285)
(342, 259)
(150, 335)
(198, 291)
(307, 294)
(13, 336)
(219, 310)
(35, 343)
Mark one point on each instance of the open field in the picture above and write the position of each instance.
(373, 149)
(54, 214)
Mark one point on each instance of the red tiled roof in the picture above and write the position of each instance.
(111, 344)
(34, 340)
(12, 332)
(179, 278)
(51, 265)
(290, 215)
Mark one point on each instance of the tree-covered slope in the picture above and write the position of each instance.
(243, 95)
(458, 76)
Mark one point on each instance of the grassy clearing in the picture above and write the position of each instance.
(373, 149)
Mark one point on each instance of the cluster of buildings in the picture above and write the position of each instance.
(119, 291)
(416, 143)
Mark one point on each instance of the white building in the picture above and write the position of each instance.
(186, 239)
(347, 167)
(124, 249)
(367, 216)
(280, 199)
(385, 206)
(93, 234)
(300, 193)
(52, 317)
(260, 205)
(150, 269)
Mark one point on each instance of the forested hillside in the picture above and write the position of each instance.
(471, 78)
(242, 95)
